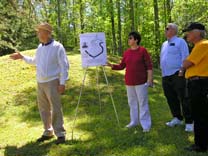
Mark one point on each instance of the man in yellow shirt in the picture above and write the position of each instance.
(196, 66)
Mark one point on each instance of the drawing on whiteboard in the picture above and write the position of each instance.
(93, 49)
(84, 45)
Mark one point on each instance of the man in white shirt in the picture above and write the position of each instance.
(173, 52)
(52, 71)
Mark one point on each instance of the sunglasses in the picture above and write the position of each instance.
(167, 29)
(130, 38)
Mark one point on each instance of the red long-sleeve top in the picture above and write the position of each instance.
(136, 62)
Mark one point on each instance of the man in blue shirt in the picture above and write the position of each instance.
(173, 52)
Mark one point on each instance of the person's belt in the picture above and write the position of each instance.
(198, 78)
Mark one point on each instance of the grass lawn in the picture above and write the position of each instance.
(96, 130)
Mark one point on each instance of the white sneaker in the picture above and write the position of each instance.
(189, 128)
(130, 125)
(175, 121)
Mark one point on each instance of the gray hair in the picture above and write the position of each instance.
(173, 26)
(203, 33)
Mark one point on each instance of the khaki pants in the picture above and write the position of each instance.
(50, 108)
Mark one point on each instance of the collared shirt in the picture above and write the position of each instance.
(173, 53)
(136, 62)
(51, 62)
(199, 57)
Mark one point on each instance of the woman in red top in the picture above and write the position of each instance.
(138, 77)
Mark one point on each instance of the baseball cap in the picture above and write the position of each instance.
(194, 25)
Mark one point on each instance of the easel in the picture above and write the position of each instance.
(80, 94)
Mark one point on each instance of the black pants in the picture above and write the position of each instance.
(174, 89)
(198, 91)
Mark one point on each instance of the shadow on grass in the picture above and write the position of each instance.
(108, 140)
(34, 148)
(105, 138)
(28, 97)
(70, 148)
(31, 148)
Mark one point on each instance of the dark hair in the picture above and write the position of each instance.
(136, 35)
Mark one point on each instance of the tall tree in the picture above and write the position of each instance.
(169, 8)
(74, 25)
(157, 29)
(120, 49)
(165, 13)
(131, 5)
(59, 21)
(116, 18)
(113, 26)
(81, 15)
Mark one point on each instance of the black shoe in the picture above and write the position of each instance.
(195, 148)
(43, 138)
(60, 140)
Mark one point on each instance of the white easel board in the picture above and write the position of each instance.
(93, 49)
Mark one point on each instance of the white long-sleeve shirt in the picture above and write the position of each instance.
(51, 62)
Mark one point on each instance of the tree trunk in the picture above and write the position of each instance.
(165, 14)
(59, 20)
(81, 8)
(131, 5)
(119, 27)
(157, 30)
(74, 24)
(136, 14)
(168, 6)
(113, 26)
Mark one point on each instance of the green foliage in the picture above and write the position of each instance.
(96, 132)
(69, 18)
(16, 27)
(186, 11)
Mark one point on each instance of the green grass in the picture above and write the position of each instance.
(96, 131)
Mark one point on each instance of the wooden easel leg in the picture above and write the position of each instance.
(114, 107)
(80, 94)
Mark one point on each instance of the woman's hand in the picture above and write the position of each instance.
(150, 78)
(109, 64)
(150, 83)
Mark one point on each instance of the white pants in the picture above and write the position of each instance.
(139, 94)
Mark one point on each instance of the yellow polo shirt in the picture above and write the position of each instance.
(199, 57)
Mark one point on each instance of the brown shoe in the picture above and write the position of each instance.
(43, 138)
(60, 140)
